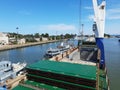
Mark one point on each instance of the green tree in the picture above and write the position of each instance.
(46, 35)
(37, 35)
(42, 35)
(106, 35)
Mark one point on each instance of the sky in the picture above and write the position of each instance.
(55, 16)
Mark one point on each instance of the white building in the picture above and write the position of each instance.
(44, 39)
(37, 39)
(3, 38)
(21, 41)
(12, 39)
(90, 39)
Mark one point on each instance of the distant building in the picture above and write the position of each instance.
(90, 39)
(3, 38)
(21, 41)
(37, 39)
(12, 40)
(44, 39)
(79, 37)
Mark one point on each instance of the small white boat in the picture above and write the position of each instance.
(52, 52)
(63, 46)
(18, 67)
(10, 70)
(59, 50)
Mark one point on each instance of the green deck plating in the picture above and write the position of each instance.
(63, 75)
(53, 75)
(20, 87)
(31, 85)
(77, 70)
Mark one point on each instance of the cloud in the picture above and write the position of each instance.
(91, 17)
(88, 8)
(24, 12)
(113, 14)
(57, 27)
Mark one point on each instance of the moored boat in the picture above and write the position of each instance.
(10, 70)
(18, 67)
(64, 46)
(52, 52)
(59, 50)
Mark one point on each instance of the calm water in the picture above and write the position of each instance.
(29, 54)
(112, 52)
(35, 53)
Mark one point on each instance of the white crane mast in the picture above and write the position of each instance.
(98, 28)
(99, 18)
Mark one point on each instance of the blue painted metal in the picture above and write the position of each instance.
(3, 88)
(99, 42)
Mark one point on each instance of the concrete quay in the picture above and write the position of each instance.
(9, 47)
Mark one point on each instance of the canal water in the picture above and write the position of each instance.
(112, 54)
(30, 54)
(35, 53)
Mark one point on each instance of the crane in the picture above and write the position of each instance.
(98, 28)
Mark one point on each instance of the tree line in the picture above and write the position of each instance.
(31, 37)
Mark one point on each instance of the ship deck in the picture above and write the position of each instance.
(53, 75)
(77, 70)
(31, 85)
(70, 73)
(63, 74)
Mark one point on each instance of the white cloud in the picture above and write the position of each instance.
(88, 8)
(91, 17)
(57, 27)
(24, 12)
(115, 10)
(113, 14)
(115, 17)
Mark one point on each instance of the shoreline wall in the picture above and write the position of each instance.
(9, 47)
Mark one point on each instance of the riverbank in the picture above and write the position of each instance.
(9, 47)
